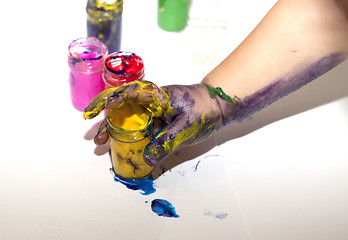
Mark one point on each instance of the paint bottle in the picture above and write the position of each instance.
(130, 129)
(122, 67)
(104, 21)
(86, 61)
(172, 15)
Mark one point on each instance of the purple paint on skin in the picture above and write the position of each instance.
(285, 85)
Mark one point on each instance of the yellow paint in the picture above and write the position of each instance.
(128, 123)
(99, 11)
(187, 134)
(130, 116)
(156, 106)
(98, 103)
(109, 5)
(128, 127)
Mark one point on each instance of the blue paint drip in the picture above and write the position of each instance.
(163, 208)
(144, 185)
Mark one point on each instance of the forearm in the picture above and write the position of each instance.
(295, 43)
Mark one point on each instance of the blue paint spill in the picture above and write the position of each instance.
(163, 208)
(144, 185)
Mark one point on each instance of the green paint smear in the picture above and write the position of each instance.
(218, 91)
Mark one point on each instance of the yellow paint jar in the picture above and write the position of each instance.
(130, 128)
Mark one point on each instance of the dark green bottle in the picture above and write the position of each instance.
(172, 15)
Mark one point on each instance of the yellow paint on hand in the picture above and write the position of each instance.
(185, 135)
(98, 103)
(158, 107)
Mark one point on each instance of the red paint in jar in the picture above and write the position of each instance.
(122, 67)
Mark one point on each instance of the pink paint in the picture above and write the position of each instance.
(86, 61)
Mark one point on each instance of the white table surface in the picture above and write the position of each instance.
(282, 174)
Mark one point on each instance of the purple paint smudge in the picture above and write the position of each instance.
(196, 167)
(285, 85)
(216, 215)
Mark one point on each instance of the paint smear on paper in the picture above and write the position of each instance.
(163, 208)
(215, 215)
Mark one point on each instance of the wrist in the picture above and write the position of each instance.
(225, 103)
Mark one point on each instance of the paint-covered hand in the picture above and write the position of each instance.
(186, 114)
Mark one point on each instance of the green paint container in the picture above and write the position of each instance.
(172, 15)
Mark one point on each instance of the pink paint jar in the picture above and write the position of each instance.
(122, 67)
(86, 61)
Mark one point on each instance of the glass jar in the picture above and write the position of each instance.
(122, 67)
(104, 21)
(86, 60)
(130, 129)
(172, 15)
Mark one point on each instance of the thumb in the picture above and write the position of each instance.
(168, 139)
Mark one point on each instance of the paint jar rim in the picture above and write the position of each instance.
(104, 9)
(114, 57)
(132, 135)
(114, 77)
(87, 54)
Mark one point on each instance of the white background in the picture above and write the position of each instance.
(281, 175)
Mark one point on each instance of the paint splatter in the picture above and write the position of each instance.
(145, 185)
(163, 208)
(216, 215)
